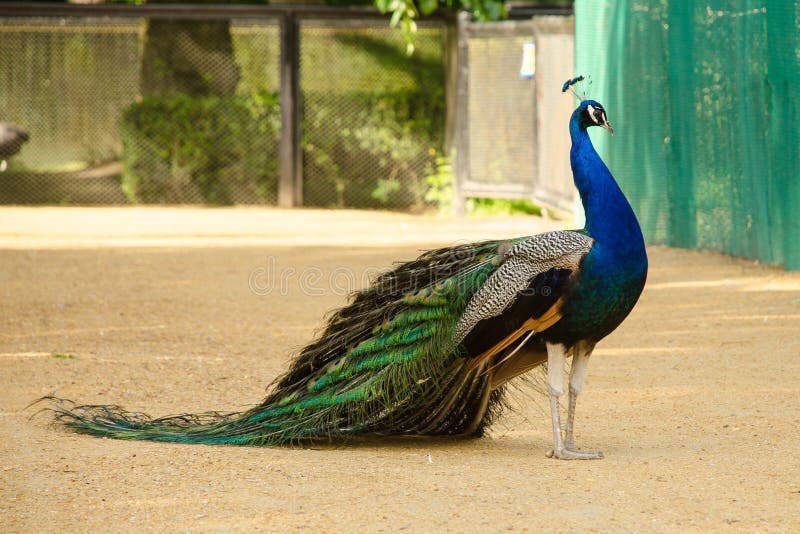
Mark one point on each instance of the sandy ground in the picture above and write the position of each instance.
(695, 400)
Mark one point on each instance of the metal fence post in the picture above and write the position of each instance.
(450, 68)
(461, 162)
(290, 185)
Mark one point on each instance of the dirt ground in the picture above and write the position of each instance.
(695, 400)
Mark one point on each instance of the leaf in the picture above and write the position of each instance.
(486, 10)
(426, 7)
(384, 189)
(383, 5)
(396, 16)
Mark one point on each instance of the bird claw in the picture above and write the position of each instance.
(574, 454)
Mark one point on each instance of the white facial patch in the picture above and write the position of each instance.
(592, 113)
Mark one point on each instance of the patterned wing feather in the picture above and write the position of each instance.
(525, 294)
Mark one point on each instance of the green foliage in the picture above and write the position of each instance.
(370, 149)
(367, 137)
(180, 148)
(370, 138)
(501, 206)
(384, 189)
(360, 149)
(406, 12)
(439, 179)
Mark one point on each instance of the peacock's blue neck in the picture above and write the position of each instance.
(609, 217)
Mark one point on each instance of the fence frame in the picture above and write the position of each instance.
(538, 25)
(289, 16)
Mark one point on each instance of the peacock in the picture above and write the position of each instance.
(430, 346)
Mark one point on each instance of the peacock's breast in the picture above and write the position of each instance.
(602, 297)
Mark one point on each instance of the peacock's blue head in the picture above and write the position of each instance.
(592, 113)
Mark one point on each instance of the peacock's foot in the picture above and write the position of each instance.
(573, 454)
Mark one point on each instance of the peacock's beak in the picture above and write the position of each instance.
(607, 126)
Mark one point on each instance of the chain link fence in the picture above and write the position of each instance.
(169, 111)
(501, 114)
(67, 84)
(512, 138)
(373, 117)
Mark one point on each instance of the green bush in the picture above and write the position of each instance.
(440, 179)
(217, 150)
(502, 206)
(360, 149)
(370, 149)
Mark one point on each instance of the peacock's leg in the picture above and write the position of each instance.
(556, 355)
(577, 374)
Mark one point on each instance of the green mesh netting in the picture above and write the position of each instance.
(704, 99)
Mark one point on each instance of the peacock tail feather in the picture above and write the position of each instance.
(430, 346)
(386, 363)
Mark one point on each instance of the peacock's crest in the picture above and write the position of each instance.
(579, 86)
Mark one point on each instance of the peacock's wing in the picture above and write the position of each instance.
(525, 295)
